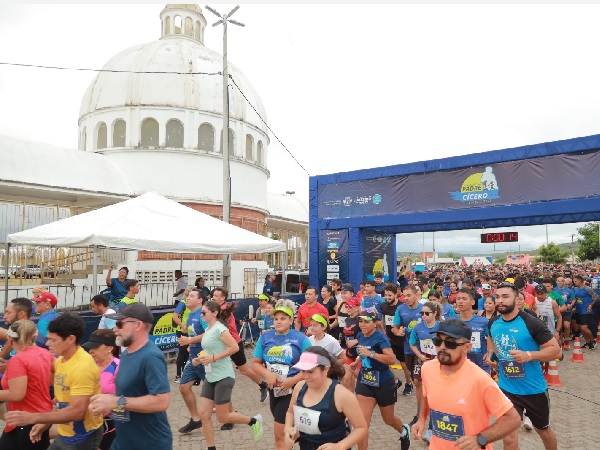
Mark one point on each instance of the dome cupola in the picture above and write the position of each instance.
(183, 21)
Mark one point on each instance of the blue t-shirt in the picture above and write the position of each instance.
(42, 327)
(268, 322)
(375, 302)
(194, 328)
(421, 333)
(448, 311)
(376, 342)
(525, 333)
(407, 317)
(583, 298)
(565, 293)
(117, 290)
(479, 330)
(143, 372)
(283, 349)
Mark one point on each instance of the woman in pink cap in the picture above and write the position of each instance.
(320, 405)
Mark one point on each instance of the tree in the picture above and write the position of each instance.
(452, 255)
(552, 254)
(589, 247)
(500, 260)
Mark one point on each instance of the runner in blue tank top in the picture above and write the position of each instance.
(315, 418)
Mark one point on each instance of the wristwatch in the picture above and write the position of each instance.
(372, 355)
(482, 441)
(121, 402)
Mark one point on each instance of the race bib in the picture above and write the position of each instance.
(427, 347)
(578, 301)
(369, 377)
(476, 340)
(389, 321)
(544, 319)
(280, 370)
(261, 324)
(121, 416)
(512, 369)
(306, 420)
(447, 426)
(341, 321)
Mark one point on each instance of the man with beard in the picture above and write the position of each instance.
(142, 387)
(521, 342)
(459, 397)
(388, 310)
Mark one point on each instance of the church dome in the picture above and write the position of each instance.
(137, 79)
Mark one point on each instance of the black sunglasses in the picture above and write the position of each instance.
(450, 345)
(121, 323)
(506, 284)
(426, 313)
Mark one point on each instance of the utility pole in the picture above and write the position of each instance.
(224, 19)
(572, 249)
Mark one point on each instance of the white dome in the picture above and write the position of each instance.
(178, 53)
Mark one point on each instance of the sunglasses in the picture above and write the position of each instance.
(121, 323)
(203, 313)
(506, 284)
(426, 313)
(450, 345)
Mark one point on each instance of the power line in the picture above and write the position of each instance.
(259, 116)
(82, 69)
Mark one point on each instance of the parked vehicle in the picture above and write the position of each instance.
(28, 271)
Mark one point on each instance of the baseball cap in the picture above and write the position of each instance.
(135, 310)
(368, 314)
(96, 340)
(320, 319)
(454, 331)
(352, 302)
(308, 361)
(540, 288)
(347, 287)
(47, 297)
(486, 287)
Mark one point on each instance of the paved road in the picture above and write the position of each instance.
(574, 419)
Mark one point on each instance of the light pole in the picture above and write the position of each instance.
(572, 249)
(224, 19)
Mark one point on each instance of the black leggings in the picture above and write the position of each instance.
(18, 439)
(182, 355)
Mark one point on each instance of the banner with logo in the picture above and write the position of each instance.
(555, 177)
(378, 255)
(163, 333)
(333, 255)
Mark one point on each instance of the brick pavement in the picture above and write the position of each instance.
(573, 419)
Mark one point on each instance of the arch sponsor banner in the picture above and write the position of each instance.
(163, 333)
(378, 250)
(333, 255)
(555, 177)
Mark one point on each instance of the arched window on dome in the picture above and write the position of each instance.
(167, 25)
(149, 133)
(177, 23)
(84, 139)
(230, 146)
(174, 134)
(101, 136)
(189, 25)
(118, 134)
(198, 31)
(206, 137)
(259, 153)
(249, 145)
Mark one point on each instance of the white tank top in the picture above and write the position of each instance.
(546, 313)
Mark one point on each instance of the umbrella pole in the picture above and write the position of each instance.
(6, 275)
(95, 271)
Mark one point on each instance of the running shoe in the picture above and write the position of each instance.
(227, 427)
(527, 423)
(398, 383)
(405, 441)
(257, 428)
(591, 345)
(177, 380)
(191, 426)
(264, 391)
(408, 388)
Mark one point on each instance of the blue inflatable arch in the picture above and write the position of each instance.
(353, 214)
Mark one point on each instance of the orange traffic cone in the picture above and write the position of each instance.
(553, 379)
(577, 354)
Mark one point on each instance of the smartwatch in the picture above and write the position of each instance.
(372, 353)
(122, 401)
(482, 441)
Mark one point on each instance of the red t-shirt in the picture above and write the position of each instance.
(305, 312)
(36, 364)
(231, 326)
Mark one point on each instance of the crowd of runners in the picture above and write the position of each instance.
(470, 344)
